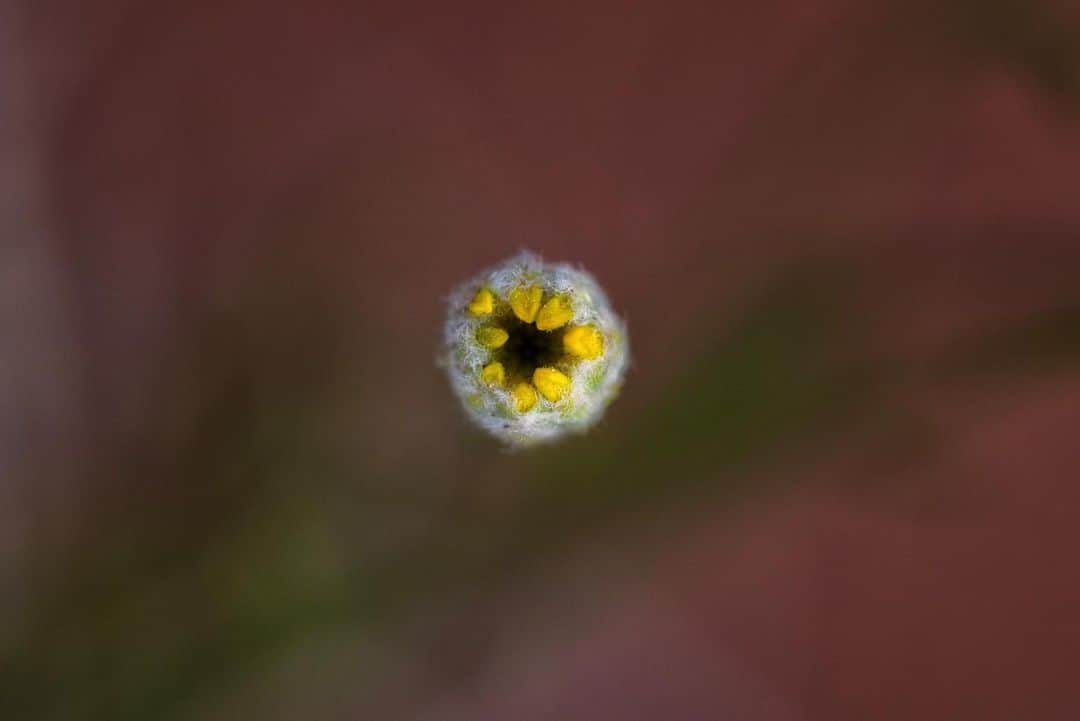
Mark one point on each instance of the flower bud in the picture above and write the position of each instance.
(533, 350)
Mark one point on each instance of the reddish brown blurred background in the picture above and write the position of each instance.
(842, 480)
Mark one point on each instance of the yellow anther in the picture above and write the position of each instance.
(525, 302)
(555, 314)
(552, 384)
(491, 337)
(583, 341)
(524, 397)
(494, 373)
(483, 303)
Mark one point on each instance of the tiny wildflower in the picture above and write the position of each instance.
(534, 350)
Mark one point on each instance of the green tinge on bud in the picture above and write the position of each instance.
(533, 350)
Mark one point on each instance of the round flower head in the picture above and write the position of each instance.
(533, 349)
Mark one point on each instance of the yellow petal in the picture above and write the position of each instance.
(552, 384)
(494, 373)
(483, 303)
(555, 314)
(524, 397)
(491, 337)
(583, 341)
(525, 302)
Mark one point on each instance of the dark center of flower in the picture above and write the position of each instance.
(528, 348)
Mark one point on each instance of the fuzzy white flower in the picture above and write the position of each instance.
(533, 350)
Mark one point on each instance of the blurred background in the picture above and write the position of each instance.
(840, 483)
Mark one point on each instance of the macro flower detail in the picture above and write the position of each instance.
(533, 350)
